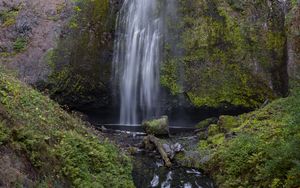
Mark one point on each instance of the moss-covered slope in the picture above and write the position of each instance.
(259, 149)
(55, 148)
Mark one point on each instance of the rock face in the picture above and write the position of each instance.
(222, 53)
(28, 29)
(157, 126)
(61, 46)
(232, 53)
(293, 47)
(81, 61)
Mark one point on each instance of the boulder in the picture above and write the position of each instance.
(158, 127)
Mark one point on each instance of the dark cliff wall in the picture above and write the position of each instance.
(235, 53)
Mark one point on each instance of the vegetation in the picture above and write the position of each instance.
(261, 149)
(8, 17)
(20, 44)
(228, 59)
(221, 53)
(58, 146)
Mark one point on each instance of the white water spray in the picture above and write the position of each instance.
(137, 59)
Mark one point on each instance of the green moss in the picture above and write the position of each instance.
(205, 123)
(8, 17)
(217, 139)
(228, 122)
(169, 76)
(227, 59)
(97, 159)
(4, 133)
(5, 54)
(213, 129)
(157, 126)
(58, 145)
(203, 145)
(19, 44)
(265, 150)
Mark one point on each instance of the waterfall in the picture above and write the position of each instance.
(137, 57)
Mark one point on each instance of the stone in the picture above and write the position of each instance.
(167, 149)
(157, 127)
(177, 147)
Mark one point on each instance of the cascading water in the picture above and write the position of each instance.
(137, 59)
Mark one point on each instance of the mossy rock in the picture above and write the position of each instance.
(227, 123)
(205, 123)
(217, 139)
(158, 127)
(190, 159)
(213, 129)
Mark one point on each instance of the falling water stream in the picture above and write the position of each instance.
(136, 64)
(137, 59)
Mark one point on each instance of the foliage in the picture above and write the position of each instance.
(4, 133)
(58, 145)
(8, 17)
(20, 44)
(266, 150)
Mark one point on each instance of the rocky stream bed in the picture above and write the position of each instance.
(149, 169)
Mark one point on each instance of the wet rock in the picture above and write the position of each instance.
(173, 149)
(193, 171)
(159, 163)
(167, 182)
(158, 127)
(187, 185)
(155, 181)
(167, 149)
(177, 147)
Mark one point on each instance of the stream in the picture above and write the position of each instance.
(148, 167)
(150, 172)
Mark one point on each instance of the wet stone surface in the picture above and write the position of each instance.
(150, 172)
(149, 169)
